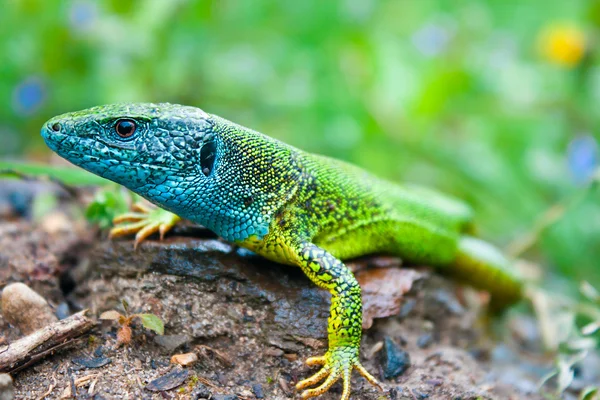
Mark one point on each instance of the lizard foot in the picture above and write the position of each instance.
(144, 220)
(337, 363)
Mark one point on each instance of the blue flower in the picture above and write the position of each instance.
(432, 39)
(29, 95)
(582, 158)
(82, 15)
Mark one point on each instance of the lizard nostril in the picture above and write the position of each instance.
(56, 127)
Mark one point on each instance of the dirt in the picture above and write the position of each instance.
(250, 322)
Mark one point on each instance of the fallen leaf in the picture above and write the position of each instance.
(111, 315)
(169, 381)
(92, 362)
(382, 291)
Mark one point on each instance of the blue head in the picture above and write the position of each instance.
(194, 164)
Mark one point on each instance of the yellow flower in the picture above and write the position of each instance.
(563, 45)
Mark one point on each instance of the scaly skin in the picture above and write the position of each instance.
(287, 205)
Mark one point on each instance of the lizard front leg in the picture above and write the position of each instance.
(144, 220)
(345, 322)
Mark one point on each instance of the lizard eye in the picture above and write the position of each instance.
(125, 128)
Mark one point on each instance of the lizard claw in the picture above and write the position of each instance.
(337, 363)
(143, 221)
(316, 361)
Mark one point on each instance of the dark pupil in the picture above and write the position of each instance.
(207, 157)
(125, 128)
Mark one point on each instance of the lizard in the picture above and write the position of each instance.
(287, 205)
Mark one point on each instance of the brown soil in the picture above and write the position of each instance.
(251, 322)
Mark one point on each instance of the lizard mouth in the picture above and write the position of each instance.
(52, 138)
(62, 143)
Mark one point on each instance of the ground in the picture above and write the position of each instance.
(250, 322)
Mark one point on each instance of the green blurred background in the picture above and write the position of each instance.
(494, 102)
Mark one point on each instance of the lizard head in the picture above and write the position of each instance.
(134, 144)
(195, 164)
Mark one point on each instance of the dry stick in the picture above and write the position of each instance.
(549, 218)
(32, 348)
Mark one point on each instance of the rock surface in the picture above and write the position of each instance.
(250, 322)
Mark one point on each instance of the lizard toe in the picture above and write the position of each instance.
(143, 222)
(337, 363)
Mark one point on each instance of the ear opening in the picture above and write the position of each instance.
(208, 154)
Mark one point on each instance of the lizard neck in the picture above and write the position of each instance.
(253, 178)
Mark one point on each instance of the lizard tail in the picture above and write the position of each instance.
(483, 266)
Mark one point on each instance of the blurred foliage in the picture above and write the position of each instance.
(494, 102)
(66, 175)
(108, 203)
(568, 342)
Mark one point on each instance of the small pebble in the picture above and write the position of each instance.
(257, 389)
(171, 342)
(25, 309)
(56, 222)
(273, 352)
(224, 397)
(435, 382)
(425, 340)
(7, 392)
(200, 392)
(284, 385)
(62, 311)
(184, 360)
(449, 302)
(395, 361)
(407, 307)
(394, 392)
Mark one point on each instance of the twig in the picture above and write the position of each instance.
(50, 388)
(549, 218)
(38, 356)
(32, 348)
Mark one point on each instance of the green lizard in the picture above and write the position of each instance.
(282, 203)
